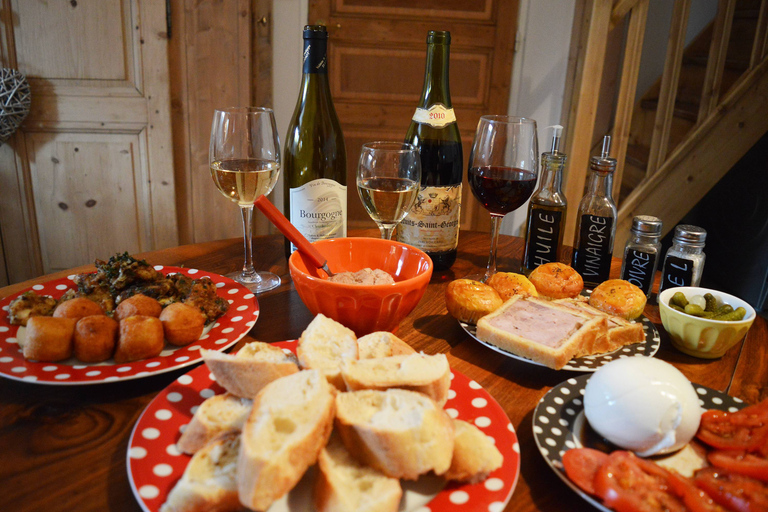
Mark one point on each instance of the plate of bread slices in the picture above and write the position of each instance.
(549, 320)
(127, 320)
(326, 422)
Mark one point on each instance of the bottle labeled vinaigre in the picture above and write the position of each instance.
(315, 159)
(546, 211)
(642, 253)
(596, 228)
(432, 225)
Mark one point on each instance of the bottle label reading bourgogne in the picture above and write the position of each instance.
(544, 231)
(433, 222)
(318, 211)
(593, 255)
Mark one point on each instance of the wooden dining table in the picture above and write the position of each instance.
(64, 448)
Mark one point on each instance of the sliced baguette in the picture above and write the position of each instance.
(253, 367)
(217, 414)
(401, 433)
(345, 485)
(208, 483)
(430, 375)
(324, 345)
(475, 455)
(548, 333)
(289, 424)
(382, 344)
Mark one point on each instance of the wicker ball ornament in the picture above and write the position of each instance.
(15, 99)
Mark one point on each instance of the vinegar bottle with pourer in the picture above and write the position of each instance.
(546, 210)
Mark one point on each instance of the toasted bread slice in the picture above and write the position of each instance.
(343, 484)
(430, 375)
(253, 367)
(540, 330)
(323, 345)
(217, 414)
(209, 480)
(289, 424)
(475, 455)
(381, 344)
(401, 433)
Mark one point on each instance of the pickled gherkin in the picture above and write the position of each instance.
(713, 310)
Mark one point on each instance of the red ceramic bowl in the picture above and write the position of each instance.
(363, 308)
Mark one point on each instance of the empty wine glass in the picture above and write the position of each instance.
(502, 172)
(388, 178)
(244, 156)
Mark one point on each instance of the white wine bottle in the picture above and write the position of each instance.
(432, 225)
(315, 159)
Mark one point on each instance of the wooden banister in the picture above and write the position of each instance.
(721, 32)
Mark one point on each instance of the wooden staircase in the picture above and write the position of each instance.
(685, 133)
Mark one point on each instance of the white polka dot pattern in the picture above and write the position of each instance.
(226, 332)
(647, 348)
(559, 422)
(154, 463)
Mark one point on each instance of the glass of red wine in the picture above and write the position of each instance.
(503, 167)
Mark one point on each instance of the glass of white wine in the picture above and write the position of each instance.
(244, 157)
(388, 178)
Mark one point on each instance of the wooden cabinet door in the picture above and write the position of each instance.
(90, 172)
(377, 54)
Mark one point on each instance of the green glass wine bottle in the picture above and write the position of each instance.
(315, 159)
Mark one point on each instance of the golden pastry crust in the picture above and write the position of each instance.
(182, 324)
(141, 337)
(138, 304)
(95, 338)
(509, 284)
(77, 308)
(556, 280)
(619, 297)
(469, 300)
(49, 338)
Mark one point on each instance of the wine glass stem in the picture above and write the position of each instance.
(247, 212)
(386, 232)
(495, 226)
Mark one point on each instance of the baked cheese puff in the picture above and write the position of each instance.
(77, 308)
(509, 284)
(468, 300)
(182, 324)
(95, 338)
(138, 304)
(140, 337)
(49, 338)
(618, 297)
(556, 280)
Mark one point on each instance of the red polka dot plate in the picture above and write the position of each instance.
(225, 332)
(155, 464)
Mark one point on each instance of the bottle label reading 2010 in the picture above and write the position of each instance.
(433, 223)
(319, 209)
(436, 116)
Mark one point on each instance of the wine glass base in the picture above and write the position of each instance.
(258, 282)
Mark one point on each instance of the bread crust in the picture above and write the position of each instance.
(577, 341)
(49, 338)
(216, 415)
(141, 337)
(619, 331)
(619, 297)
(556, 280)
(382, 344)
(468, 300)
(247, 372)
(509, 284)
(475, 455)
(323, 345)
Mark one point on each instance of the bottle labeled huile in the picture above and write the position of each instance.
(546, 210)
(596, 224)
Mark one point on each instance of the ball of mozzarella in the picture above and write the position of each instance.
(642, 404)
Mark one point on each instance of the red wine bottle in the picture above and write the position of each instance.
(432, 225)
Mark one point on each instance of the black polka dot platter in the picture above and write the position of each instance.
(647, 348)
(155, 464)
(223, 333)
(559, 424)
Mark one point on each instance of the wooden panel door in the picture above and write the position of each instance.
(90, 172)
(377, 54)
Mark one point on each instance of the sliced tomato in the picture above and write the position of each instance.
(581, 465)
(627, 483)
(742, 430)
(743, 463)
(694, 498)
(735, 492)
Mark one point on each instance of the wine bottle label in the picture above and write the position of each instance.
(319, 209)
(432, 225)
(639, 268)
(436, 116)
(543, 237)
(677, 272)
(592, 257)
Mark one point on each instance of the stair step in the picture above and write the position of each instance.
(637, 155)
(684, 108)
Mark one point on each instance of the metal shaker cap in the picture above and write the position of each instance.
(690, 235)
(646, 225)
